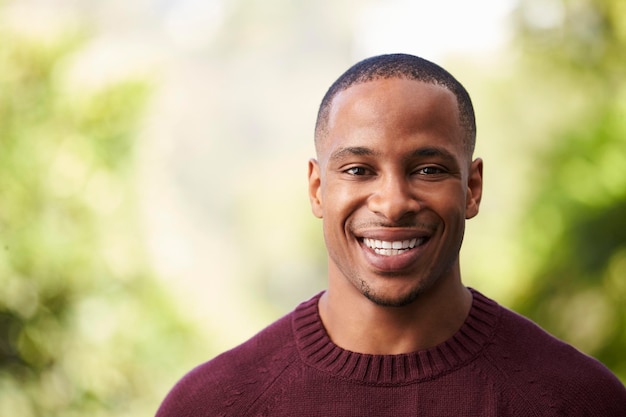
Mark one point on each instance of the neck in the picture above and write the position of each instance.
(357, 324)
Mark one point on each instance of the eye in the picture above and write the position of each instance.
(430, 170)
(357, 171)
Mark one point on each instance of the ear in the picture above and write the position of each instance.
(474, 188)
(315, 188)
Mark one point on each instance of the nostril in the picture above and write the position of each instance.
(393, 204)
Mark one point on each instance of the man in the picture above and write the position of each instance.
(396, 333)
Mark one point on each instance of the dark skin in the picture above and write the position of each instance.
(394, 184)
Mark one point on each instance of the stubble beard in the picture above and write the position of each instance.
(398, 301)
(388, 302)
(428, 281)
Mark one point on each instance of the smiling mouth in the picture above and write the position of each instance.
(393, 248)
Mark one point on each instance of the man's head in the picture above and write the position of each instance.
(399, 66)
(394, 180)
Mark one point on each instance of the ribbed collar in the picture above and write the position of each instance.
(317, 350)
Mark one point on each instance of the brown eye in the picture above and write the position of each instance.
(356, 171)
(430, 171)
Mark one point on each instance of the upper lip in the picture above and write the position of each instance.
(393, 234)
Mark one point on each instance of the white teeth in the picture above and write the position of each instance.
(387, 248)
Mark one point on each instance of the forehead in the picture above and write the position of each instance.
(392, 108)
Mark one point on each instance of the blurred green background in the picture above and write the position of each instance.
(153, 207)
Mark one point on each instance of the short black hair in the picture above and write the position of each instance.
(403, 66)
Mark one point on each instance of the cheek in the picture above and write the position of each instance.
(340, 205)
(449, 203)
(341, 200)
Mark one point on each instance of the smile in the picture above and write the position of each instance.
(392, 248)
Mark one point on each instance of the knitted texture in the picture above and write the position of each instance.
(498, 364)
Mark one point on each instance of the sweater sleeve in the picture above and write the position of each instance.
(197, 394)
(233, 381)
(555, 378)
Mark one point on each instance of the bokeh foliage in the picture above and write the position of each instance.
(575, 227)
(85, 328)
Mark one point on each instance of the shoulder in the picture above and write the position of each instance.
(538, 363)
(234, 379)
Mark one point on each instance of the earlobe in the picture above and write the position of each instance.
(474, 188)
(315, 189)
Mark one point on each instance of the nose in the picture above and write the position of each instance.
(394, 199)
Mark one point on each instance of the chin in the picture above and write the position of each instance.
(396, 294)
(388, 300)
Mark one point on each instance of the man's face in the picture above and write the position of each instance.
(393, 184)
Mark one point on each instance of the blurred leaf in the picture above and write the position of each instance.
(85, 327)
(575, 228)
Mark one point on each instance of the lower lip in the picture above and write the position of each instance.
(395, 263)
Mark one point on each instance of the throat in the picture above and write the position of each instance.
(369, 329)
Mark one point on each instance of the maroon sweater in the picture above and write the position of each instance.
(498, 364)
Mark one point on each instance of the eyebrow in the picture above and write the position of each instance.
(351, 151)
(431, 151)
